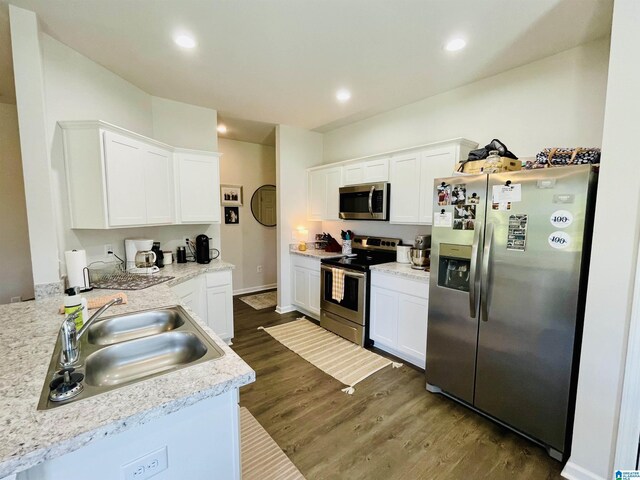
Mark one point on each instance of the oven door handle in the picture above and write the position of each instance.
(373, 189)
(346, 272)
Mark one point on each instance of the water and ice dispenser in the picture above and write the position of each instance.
(454, 267)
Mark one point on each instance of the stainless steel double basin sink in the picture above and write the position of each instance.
(124, 349)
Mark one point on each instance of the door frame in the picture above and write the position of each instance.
(628, 438)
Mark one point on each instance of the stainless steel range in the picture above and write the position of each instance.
(345, 312)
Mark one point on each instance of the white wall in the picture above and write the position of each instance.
(248, 244)
(613, 260)
(296, 150)
(77, 88)
(557, 101)
(381, 229)
(29, 80)
(16, 278)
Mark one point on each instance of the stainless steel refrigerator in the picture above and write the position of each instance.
(509, 262)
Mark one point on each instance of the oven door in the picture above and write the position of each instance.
(353, 306)
(365, 202)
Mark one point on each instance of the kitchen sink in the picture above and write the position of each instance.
(129, 361)
(134, 325)
(125, 349)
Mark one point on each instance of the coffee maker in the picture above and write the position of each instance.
(202, 249)
(140, 257)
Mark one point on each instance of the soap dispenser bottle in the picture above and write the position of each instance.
(72, 302)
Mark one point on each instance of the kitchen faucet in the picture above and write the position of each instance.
(70, 336)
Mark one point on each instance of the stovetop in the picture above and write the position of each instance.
(367, 251)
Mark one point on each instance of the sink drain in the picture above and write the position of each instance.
(66, 386)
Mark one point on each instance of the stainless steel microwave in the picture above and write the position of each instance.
(365, 202)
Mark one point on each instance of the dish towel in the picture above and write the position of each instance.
(337, 290)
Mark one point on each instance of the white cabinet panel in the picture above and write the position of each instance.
(220, 311)
(399, 315)
(384, 316)
(404, 175)
(412, 326)
(125, 177)
(301, 286)
(323, 189)
(436, 163)
(159, 185)
(353, 174)
(375, 171)
(314, 292)
(198, 187)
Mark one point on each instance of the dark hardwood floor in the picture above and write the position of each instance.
(390, 428)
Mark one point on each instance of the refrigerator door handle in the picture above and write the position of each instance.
(484, 276)
(473, 269)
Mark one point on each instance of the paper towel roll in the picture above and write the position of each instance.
(76, 263)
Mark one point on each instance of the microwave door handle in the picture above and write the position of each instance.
(373, 188)
(484, 278)
(474, 270)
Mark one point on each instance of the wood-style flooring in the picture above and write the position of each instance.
(390, 428)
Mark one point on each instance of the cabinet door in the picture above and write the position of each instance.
(159, 185)
(220, 311)
(404, 175)
(314, 292)
(412, 327)
(198, 188)
(316, 194)
(434, 164)
(125, 175)
(384, 316)
(301, 287)
(353, 174)
(333, 182)
(376, 170)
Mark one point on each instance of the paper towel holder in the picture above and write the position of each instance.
(87, 280)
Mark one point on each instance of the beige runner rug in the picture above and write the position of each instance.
(261, 300)
(345, 361)
(262, 458)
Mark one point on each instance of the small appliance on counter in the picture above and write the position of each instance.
(140, 257)
(403, 254)
(420, 252)
(204, 253)
(159, 254)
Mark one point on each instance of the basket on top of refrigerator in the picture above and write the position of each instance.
(556, 157)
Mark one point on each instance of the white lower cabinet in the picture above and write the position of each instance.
(305, 278)
(398, 316)
(210, 296)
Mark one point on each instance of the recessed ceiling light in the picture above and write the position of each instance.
(343, 95)
(455, 44)
(185, 41)
(222, 128)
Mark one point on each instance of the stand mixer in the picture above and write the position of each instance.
(140, 258)
(420, 252)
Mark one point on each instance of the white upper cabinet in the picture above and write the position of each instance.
(369, 171)
(197, 187)
(404, 174)
(323, 193)
(412, 176)
(116, 178)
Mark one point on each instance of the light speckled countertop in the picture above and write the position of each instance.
(402, 270)
(317, 254)
(27, 339)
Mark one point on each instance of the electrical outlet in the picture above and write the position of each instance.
(259, 268)
(107, 248)
(16, 299)
(147, 466)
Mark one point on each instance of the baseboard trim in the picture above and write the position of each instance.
(242, 291)
(287, 309)
(571, 471)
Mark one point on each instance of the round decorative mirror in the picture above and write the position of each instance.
(263, 205)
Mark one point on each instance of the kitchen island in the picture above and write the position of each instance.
(191, 412)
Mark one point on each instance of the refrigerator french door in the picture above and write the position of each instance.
(507, 289)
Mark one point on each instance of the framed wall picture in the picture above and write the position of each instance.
(231, 215)
(231, 195)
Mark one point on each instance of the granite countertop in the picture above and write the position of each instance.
(317, 254)
(27, 339)
(402, 270)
